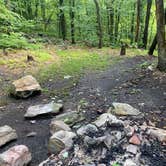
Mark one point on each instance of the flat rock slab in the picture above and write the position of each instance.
(123, 109)
(70, 117)
(7, 134)
(16, 156)
(37, 110)
(25, 87)
(61, 140)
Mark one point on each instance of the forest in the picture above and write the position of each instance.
(82, 82)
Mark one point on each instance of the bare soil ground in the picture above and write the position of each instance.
(124, 82)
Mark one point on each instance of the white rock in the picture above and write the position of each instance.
(132, 149)
(160, 134)
(124, 109)
(129, 162)
(57, 125)
(7, 134)
(16, 156)
(61, 140)
(34, 111)
(107, 118)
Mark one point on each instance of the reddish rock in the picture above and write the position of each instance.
(16, 156)
(135, 140)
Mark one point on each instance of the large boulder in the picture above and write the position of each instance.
(57, 125)
(61, 140)
(25, 87)
(123, 109)
(7, 134)
(16, 156)
(51, 108)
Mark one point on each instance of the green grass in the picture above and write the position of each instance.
(75, 62)
(41, 55)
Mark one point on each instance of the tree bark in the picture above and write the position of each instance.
(117, 22)
(62, 21)
(145, 36)
(132, 25)
(99, 28)
(110, 9)
(72, 17)
(138, 20)
(153, 46)
(154, 43)
(161, 35)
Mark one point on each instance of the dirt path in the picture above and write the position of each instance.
(124, 82)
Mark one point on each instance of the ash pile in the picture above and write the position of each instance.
(115, 138)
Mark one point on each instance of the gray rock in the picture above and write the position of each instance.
(89, 141)
(70, 117)
(158, 133)
(129, 130)
(129, 162)
(7, 134)
(57, 125)
(61, 140)
(123, 109)
(132, 149)
(34, 111)
(88, 129)
(25, 87)
(108, 118)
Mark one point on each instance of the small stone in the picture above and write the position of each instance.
(16, 156)
(57, 125)
(123, 109)
(89, 141)
(129, 162)
(135, 140)
(61, 140)
(33, 121)
(129, 130)
(88, 129)
(32, 134)
(7, 134)
(158, 133)
(108, 119)
(132, 149)
(37, 110)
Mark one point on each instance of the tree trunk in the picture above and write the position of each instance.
(43, 13)
(153, 46)
(62, 21)
(72, 16)
(132, 25)
(138, 20)
(161, 35)
(154, 43)
(111, 20)
(145, 37)
(99, 28)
